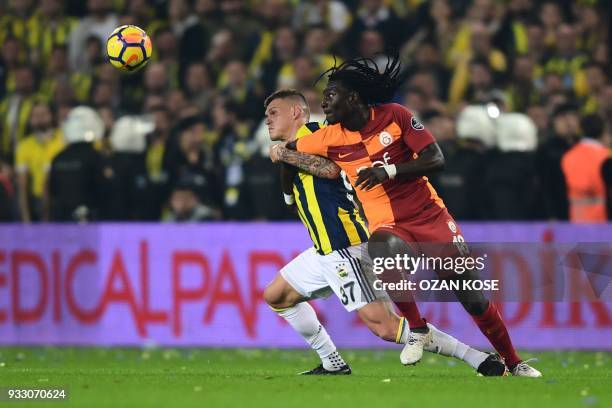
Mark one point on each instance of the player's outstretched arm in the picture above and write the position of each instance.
(316, 165)
(430, 160)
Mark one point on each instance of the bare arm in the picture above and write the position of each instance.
(430, 160)
(316, 165)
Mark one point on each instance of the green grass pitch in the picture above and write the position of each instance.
(123, 377)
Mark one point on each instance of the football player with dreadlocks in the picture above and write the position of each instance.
(386, 153)
(338, 261)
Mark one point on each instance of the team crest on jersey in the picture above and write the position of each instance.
(342, 271)
(416, 124)
(452, 226)
(385, 138)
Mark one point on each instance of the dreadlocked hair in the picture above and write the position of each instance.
(363, 76)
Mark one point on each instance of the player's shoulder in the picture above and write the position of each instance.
(403, 115)
(310, 127)
(395, 108)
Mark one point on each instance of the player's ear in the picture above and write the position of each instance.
(296, 111)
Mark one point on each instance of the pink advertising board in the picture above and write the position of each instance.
(201, 285)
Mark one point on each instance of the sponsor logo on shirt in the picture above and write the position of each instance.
(385, 138)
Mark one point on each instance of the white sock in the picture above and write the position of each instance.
(304, 320)
(403, 331)
(447, 345)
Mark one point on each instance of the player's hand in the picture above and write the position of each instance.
(371, 177)
(275, 152)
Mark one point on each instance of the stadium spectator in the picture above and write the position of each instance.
(210, 56)
(427, 83)
(10, 56)
(568, 60)
(140, 13)
(331, 13)
(99, 23)
(197, 38)
(300, 74)
(104, 95)
(511, 37)
(176, 103)
(14, 23)
(551, 17)
(375, 15)
(522, 91)
(189, 162)
(536, 42)
(244, 92)
(317, 45)
(282, 52)
(185, 206)
(126, 176)
(59, 84)
(76, 179)
(509, 176)
(591, 25)
(16, 109)
(230, 149)
(108, 118)
(93, 54)
(427, 58)
(246, 30)
(476, 66)
(604, 103)
(582, 168)
(415, 100)
(48, 28)
(565, 131)
(461, 184)
(372, 45)
(596, 80)
(33, 158)
(180, 17)
(538, 114)
(166, 52)
(157, 142)
(7, 192)
(481, 82)
(156, 80)
(440, 26)
(440, 125)
(198, 86)
(223, 48)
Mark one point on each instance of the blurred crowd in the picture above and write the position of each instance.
(517, 92)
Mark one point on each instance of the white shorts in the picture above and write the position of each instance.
(344, 272)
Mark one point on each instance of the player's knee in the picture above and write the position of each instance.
(279, 295)
(274, 297)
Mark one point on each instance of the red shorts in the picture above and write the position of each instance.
(435, 233)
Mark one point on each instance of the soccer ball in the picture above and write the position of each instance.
(129, 48)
